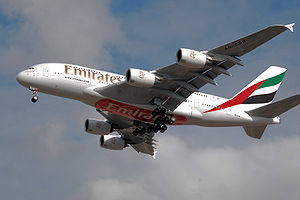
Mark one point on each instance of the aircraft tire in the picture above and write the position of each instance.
(34, 98)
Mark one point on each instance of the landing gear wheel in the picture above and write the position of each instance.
(163, 128)
(139, 131)
(171, 120)
(162, 111)
(34, 98)
(155, 112)
(159, 120)
(156, 128)
(142, 131)
(159, 111)
(135, 132)
(150, 128)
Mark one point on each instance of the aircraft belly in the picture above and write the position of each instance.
(225, 118)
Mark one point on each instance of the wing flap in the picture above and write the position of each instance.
(144, 148)
(141, 143)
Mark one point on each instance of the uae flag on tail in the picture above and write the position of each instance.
(260, 91)
(266, 90)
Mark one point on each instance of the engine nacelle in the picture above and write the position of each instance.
(140, 78)
(97, 127)
(112, 142)
(191, 58)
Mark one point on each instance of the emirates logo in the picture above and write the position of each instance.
(141, 75)
(193, 55)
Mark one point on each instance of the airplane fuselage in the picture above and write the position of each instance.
(78, 83)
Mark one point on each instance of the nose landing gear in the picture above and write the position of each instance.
(35, 96)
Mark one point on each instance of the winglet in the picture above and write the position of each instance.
(154, 154)
(290, 27)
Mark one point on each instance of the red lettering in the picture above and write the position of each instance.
(132, 112)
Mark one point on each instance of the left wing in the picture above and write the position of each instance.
(125, 127)
(141, 143)
(174, 83)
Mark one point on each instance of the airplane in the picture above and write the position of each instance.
(142, 103)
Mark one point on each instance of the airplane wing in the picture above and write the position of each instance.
(246, 44)
(178, 81)
(124, 126)
(141, 143)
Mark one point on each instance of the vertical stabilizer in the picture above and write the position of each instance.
(264, 87)
(259, 92)
(255, 131)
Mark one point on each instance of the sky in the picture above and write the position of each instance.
(44, 151)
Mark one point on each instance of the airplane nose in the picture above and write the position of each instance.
(21, 78)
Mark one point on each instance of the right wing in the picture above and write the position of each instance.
(178, 82)
(246, 44)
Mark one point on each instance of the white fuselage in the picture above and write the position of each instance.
(77, 82)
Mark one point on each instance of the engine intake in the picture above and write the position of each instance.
(112, 142)
(140, 78)
(191, 58)
(97, 127)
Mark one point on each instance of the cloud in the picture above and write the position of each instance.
(121, 190)
(59, 31)
(259, 171)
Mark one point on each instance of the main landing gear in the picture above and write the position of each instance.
(35, 96)
(160, 123)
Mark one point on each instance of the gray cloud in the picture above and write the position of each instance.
(59, 31)
(259, 171)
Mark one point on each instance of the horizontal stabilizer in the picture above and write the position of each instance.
(255, 131)
(277, 108)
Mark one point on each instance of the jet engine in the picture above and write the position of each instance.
(140, 78)
(191, 58)
(97, 127)
(112, 142)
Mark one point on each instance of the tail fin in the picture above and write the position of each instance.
(262, 89)
(259, 92)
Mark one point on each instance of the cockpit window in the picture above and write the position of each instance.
(31, 68)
